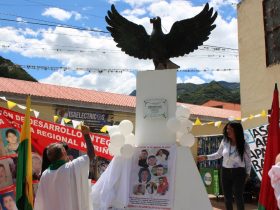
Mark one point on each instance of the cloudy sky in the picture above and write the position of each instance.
(31, 35)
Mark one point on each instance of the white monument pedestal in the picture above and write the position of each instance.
(156, 103)
(153, 86)
(190, 193)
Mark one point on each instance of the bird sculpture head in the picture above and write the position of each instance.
(156, 23)
(155, 20)
(184, 37)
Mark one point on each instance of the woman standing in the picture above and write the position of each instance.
(236, 163)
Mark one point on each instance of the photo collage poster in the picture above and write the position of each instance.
(9, 142)
(152, 177)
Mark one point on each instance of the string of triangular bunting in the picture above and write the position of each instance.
(77, 124)
(218, 123)
(12, 104)
(215, 123)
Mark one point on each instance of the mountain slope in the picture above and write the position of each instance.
(10, 70)
(210, 91)
(199, 94)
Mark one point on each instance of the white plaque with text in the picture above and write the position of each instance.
(155, 108)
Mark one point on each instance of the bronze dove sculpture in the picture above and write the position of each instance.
(184, 37)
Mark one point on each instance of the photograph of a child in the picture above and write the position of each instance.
(159, 170)
(162, 156)
(151, 188)
(5, 173)
(144, 175)
(152, 161)
(8, 201)
(10, 138)
(139, 189)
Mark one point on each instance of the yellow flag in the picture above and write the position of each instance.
(103, 129)
(55, 118)
(66, 120)
(263, 114)
(197, 122)
(251, 117)
(24, 190)
(11, 104)
(79, 127)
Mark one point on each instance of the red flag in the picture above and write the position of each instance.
(267, 199)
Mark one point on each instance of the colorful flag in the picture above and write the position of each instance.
(267, 199)
(24, 190)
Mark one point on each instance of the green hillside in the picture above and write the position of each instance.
(199, 94)
(10, 70)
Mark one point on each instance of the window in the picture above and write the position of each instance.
(271, 10)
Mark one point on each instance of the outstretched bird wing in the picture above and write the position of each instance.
(130, 37)
(186, 35)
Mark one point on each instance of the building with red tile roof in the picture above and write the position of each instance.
(102, 108)
(54, 93)
(222, 105)
(60, 95)
(97, 108)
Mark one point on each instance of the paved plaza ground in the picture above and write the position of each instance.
(218, 204)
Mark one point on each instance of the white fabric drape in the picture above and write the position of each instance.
(112, 188)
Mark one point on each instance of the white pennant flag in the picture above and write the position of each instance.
(62, 122)
(218, 123)
(3, 98)
(36, 113)
(21, 106)
(76, 123)
(258, 115)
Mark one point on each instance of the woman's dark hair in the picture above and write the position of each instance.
(141, 171)
(239, 136)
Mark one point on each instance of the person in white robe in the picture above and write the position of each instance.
(65, 184)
